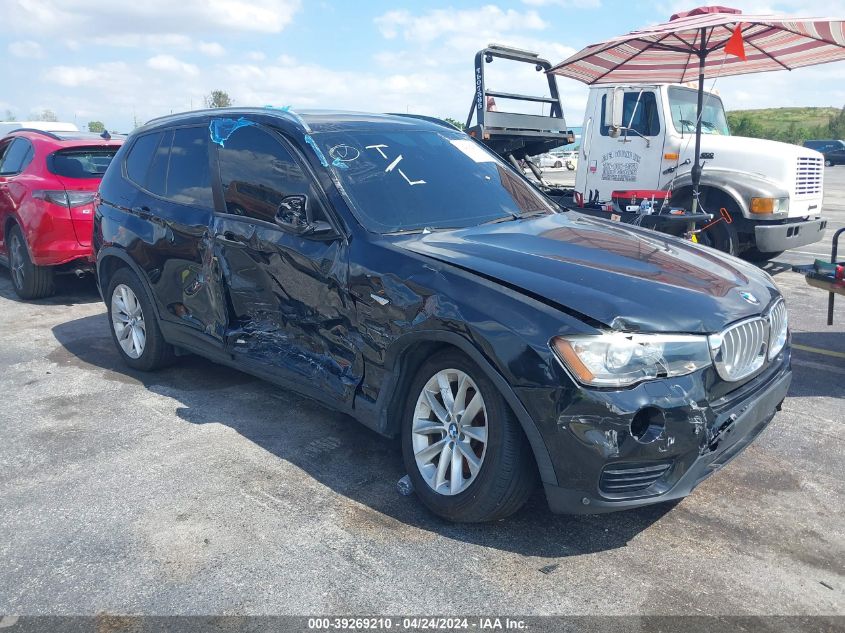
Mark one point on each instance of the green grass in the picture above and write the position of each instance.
(779, 119)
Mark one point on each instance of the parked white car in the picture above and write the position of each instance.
(570, 159)
(548, 160)
(46, 126)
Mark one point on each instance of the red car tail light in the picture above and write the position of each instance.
(66, 198)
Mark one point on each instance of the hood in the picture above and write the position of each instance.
(624, 277)
(770, 160)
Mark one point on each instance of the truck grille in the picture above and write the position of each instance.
(628, 478)
(742, 350)
(809, 174)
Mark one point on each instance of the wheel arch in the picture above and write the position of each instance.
(406, 355)
(109, 261)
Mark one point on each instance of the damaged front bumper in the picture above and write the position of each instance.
(602, 467)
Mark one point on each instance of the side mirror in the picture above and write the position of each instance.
(293, 216)
(617, 101)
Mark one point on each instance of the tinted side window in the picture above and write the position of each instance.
(639, 113)
(17, 157)
(140, 156)
(156, 179)
(256, 172)
(188, 175)
(4, 145)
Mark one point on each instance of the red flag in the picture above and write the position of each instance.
(735, 45)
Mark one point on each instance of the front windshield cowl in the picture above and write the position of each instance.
(400, 180)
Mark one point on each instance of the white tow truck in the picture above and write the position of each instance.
(765, 196)
(757, 197)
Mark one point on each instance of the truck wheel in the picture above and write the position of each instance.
(28, 280)
(721, 236)
(558, 164)
(463, 448)
(753, 255)
(828, 162)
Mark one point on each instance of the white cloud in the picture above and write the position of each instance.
(143, 40)
(169, 64)
(567, 4)
(806, 8)
(74, 76)
(94, 17)
(26, 49)
(434, 24)
(212, 49)
(256, 56)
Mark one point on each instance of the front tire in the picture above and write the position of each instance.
(558, 164)
(828, 163)
(462, 446)
(134, 325)
(29, 280)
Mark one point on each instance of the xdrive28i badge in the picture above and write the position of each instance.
(750, 298)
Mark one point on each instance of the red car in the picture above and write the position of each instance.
(48, 181)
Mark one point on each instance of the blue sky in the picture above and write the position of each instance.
(120, 62)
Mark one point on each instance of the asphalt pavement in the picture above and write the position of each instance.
(202, 490)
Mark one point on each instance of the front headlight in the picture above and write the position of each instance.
(618, 359)
(769, 205)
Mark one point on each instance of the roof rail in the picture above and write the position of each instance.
(32, 129)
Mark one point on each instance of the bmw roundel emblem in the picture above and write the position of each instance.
(750, 298)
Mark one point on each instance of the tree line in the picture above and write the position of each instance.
(745, 124)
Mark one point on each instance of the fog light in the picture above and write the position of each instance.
(647, 425)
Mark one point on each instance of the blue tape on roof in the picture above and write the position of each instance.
(221, 129)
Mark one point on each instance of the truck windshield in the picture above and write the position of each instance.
(408, 180)
(683, 103)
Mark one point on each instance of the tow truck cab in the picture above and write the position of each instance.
(772, 191)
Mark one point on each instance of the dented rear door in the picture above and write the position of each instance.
(287, 293)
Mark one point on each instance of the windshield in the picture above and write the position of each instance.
(412, 180)
(684, 105)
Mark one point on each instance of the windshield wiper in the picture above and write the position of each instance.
(507, 218)
(424, 230)
(534, 214)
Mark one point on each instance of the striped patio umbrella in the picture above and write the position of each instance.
(707, 42)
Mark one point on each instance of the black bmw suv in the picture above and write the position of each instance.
(394, 269)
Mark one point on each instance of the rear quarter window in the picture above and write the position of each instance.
(81, 162)
(140, 157)
(173, 164)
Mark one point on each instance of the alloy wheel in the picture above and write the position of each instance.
(449, 432)
(128, 321)
(16, 261)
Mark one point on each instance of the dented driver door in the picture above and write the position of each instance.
(287, 292)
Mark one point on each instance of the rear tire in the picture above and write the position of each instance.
(134, 325)
(29, 280)
(828, 163)
(558, 164)
(494, 477)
